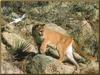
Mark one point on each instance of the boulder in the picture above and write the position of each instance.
(42, 64)
(88, 38)
(8, 27)
(91, 68)
(16, 42)
(9, 68)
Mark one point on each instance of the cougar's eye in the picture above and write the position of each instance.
(41, 31)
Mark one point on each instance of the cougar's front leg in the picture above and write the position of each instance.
(61, 53)
(43, 46)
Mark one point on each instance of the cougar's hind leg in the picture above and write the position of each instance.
(70, 56)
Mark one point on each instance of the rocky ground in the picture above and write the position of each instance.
(19, 52)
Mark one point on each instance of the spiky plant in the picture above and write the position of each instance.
(18, 43)
(20, 49)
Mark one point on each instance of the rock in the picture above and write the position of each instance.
(4, 53)
(91, 68)
(87, 37)
(6, 66)
(9, 68)
(3, 48)
(8, 27)
(16, 42)
(86, 28)
(42, 64)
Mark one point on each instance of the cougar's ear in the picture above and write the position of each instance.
(42, 25)
(34, 27)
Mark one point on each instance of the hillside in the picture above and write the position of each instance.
(19, 44)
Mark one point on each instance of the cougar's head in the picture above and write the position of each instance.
(39, 28)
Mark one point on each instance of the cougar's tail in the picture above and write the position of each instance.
(82, 53)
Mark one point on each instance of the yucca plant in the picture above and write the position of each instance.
(19, 46)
